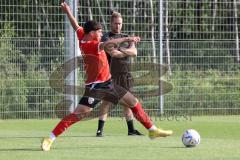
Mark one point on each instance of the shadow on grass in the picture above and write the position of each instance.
(29, 137)
(20, 149)
(79, 147)
(111, 147)
(64, 148)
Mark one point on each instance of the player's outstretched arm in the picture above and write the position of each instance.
(66, 9)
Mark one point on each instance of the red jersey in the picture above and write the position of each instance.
(95, 60)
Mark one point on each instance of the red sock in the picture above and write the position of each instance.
(66, 122)
(142, 116)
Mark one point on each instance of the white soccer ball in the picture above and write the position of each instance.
(191, 138)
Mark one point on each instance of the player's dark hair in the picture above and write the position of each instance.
(91, 26)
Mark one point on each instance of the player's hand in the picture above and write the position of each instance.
(135, 39)
(65, 7)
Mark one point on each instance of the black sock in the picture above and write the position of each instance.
(100, 125)
(130, 126)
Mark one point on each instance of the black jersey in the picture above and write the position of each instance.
(117, 65)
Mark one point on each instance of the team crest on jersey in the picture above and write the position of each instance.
(90, 100)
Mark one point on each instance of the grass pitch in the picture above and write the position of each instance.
(220, 140)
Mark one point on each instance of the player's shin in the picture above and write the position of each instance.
(142, 116)
(66, 122)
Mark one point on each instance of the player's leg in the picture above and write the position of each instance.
(86, 104)
(115, 93)
(130, 101)
(79, 113)
(125, 80)
(129, 119)
(103, 109)
(143, 117)
(130, 122)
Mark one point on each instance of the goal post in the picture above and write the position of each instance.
(71, 51)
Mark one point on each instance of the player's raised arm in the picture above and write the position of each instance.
(65, 8)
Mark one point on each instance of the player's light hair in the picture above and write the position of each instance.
(115, 15)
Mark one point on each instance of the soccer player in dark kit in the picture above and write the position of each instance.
(120, 71)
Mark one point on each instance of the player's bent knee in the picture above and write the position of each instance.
(129, 100)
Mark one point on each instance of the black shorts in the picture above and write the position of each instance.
(107, 91)
(89, 101)
(124, 80)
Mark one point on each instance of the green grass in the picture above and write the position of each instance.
(220, 140)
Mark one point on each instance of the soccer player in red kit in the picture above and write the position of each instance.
(98, 82)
